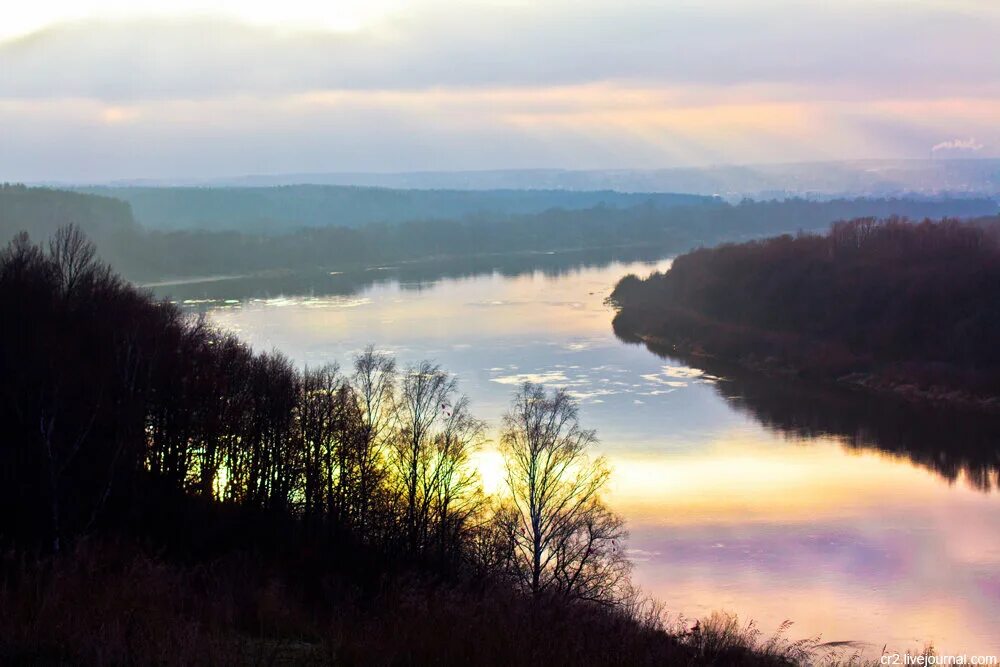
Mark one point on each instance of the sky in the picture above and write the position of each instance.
(94, 90)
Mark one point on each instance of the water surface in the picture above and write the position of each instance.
(859, 520)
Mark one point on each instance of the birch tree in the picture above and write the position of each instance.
(566, 542)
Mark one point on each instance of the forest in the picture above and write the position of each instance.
(172, 496)
(142, 252)
(891, 305)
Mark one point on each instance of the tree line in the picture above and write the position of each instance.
(144, 253)
(912, 304)
(123, 415)
(275, 210)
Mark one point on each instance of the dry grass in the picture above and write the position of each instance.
(111, 604)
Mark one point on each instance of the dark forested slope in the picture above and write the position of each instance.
(889, 304)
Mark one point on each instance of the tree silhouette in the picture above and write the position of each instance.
(566, 542)
(122, 414)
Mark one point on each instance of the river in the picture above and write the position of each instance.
(855, 519)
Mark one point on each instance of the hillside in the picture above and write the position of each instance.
(41, 211)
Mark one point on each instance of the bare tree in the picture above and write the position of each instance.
(318, 413)
(426, 396)
(565, 541)
(73, 256)
(374, 397)
(452, 485)
(490, 541)
(590, 562)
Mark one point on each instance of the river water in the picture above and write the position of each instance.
(856, 519)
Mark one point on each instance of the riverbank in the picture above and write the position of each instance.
(879, 384)
(888, 307)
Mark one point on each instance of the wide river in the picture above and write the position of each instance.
(857, 521)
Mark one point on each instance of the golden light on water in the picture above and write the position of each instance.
(745, 524)
(755, 480)
(739, 524)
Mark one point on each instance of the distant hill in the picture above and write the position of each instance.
(869, 178)
(274, 210)
(40, 211)
(185, 247)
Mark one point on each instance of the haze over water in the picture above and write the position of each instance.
(786, 521)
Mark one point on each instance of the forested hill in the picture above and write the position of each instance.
(41, 211)
(274, 210)
(107, 221)
(912, 308)
(145, 254)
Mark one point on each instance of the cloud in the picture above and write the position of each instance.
(474, 85)
(581, 127)
(714, 43)
(958, 145)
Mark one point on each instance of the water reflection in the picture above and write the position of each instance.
(853, 547)
(410, 276)
(955, 444)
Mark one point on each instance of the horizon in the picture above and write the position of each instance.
(547, 168)
(887, 177)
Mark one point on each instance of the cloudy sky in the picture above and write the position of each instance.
(104, 89)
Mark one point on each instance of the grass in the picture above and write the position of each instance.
(111, 603)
